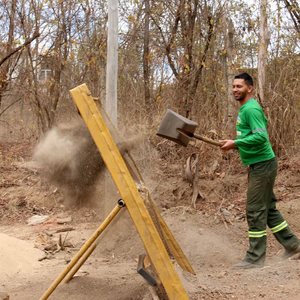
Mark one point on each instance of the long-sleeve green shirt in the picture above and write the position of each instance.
(252, 137)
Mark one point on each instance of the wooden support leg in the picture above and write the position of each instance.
(80, 262)
(83, 250)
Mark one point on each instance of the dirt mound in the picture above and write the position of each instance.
(17, 257)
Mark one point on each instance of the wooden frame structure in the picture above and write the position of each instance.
(153, 243)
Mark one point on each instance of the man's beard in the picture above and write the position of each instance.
(240, 97)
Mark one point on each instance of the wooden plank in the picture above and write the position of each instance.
(172, 244)
(128, 191)
(164, 231)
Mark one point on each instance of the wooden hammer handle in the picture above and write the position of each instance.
(207, 140)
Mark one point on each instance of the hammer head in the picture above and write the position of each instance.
(176, 128)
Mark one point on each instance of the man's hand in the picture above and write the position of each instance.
(227, 145)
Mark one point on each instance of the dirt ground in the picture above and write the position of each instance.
(213, 235)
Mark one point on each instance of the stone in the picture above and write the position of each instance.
(4, 296)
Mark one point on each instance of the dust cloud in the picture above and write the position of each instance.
(68, 158)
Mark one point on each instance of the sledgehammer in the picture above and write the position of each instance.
(181, 130)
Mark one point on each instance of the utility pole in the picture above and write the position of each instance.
(111, 100)
(262, 54)
(111, 96)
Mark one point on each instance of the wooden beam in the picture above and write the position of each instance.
(172, 245)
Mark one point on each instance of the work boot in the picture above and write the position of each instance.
(290, 253)
(247, 265)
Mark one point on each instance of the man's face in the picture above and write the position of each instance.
(240, 89)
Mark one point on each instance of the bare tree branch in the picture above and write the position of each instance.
(294, 11)
(168, 44)
(8, 106)
(27, 42)
(211, 28)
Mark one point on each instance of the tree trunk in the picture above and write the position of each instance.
(229, 103)
(146, 56)
(189, 67)
(294, 11)
(5, 68)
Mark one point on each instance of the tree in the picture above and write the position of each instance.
(146, 57)
(179, 54)
(294, 11)
(229, 108)
(5, 68)
(187, 46)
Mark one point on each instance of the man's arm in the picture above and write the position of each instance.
(259, 134)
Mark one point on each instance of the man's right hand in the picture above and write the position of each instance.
(227, 145)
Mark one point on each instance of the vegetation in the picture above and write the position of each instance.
(180, 54)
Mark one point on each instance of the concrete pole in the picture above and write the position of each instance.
(263, 50)
(111, 103)
(111, 96)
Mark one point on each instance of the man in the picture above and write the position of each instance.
(256, 152)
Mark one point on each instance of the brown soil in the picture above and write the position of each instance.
(213, 235)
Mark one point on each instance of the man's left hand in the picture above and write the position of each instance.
(227, 145)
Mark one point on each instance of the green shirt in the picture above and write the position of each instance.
(252, 137)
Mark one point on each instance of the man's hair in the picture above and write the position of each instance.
(248, 79)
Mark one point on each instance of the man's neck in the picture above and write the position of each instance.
(246, 99)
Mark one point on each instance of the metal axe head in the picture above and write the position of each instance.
(176, 128)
